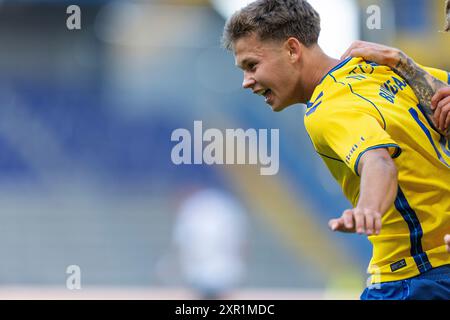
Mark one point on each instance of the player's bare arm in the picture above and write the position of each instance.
(378, 189)
(447, 242)
(424, 85)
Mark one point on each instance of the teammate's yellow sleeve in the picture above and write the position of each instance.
(350, 133)
(438, 73)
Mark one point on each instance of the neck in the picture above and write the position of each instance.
(317, 66)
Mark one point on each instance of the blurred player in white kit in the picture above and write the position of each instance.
(210, 236)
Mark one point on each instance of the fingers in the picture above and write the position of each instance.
(447, 123)
(436, 116)
(377, 223)
(359, 49)
(373, 222)
(442, 112)
(439, 95)
(370, 222)
(359, 221)
(348, 219)
(365, 53)
(339, 225)
(440, 103)
(375, 52)
(353, 46)
(362, 221)
(367, 221)
(447, 242)
(336, 224)
(346, 53)
(344, 223)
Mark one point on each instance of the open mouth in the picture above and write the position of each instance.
(265, 93)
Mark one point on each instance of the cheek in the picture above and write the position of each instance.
(284, 83)
(277, 76)
(284, 76)
(293, 80)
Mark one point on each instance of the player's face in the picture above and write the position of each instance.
(268, 70)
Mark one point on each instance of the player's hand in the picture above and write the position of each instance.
(375, 52)
(440, 104)
(447, 242)
(362, 221)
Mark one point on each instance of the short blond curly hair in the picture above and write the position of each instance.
(274, 20)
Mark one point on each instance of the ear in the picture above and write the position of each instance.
(294, 48)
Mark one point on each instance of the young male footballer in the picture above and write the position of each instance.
(367, 124)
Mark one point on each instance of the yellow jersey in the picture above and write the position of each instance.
(359, 106)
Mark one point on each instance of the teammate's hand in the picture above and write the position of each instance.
(440, 104)
(375, 52)
(362, 221)
(447, 242)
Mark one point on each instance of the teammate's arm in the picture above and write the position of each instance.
(378, 189)
(424, 85)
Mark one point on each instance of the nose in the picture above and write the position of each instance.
(248, 82)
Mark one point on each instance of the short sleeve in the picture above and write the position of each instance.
(349, 134)
(439, 74)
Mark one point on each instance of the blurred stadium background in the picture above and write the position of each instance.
(86, 176)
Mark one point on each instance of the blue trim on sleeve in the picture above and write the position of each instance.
(415, 231)
(428, 134)
(448, 79)
(323, 155)
(397, 153)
